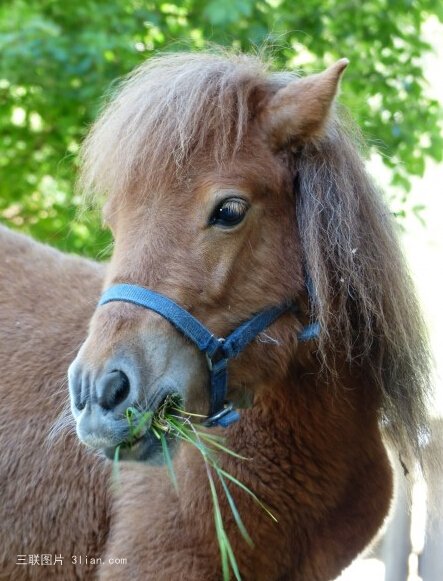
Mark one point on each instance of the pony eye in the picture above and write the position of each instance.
(229, 213)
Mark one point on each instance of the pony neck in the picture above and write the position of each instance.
(316, 459)
(309, 411)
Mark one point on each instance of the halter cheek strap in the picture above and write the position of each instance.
(218, 350)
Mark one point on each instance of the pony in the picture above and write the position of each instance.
(229, 189)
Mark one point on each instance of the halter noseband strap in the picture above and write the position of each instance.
(218, 351)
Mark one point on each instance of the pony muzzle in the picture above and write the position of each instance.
(100, 402)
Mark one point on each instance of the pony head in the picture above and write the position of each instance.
(222, 183)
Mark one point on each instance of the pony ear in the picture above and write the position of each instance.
(299, 110)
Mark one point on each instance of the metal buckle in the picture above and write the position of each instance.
(215, 357)
(214, 419)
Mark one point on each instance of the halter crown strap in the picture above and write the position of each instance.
(218, 351)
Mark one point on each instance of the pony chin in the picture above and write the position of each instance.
(147, 449)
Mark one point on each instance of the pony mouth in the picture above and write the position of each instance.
(142, 442)
(142, 449)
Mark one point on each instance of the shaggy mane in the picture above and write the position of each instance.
(366, 301)
(169, 111)
(174, 108)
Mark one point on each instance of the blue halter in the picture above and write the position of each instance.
(218, 351)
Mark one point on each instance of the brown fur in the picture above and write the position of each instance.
(54, 495)
(181, 130)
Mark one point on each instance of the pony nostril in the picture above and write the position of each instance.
(122, 391)
(113, 389)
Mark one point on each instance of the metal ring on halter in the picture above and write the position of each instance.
(212, 359)
(217, 419)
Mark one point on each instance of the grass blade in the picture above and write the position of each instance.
(248, 491)
(168, 461)
(241, 527)
(142, 421)
(226, 552)
(116, 467)
(224, 449)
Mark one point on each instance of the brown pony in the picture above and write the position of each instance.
(223, 184)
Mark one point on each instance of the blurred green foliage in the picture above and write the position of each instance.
(58, 58)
